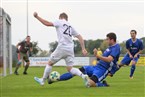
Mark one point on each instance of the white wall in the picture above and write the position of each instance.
(42, 61)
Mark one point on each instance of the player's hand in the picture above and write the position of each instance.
(35, 14)
(84, 51)
(135, 56)
(130, 56)
(95, 51)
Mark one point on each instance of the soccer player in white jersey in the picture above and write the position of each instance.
(65, 48)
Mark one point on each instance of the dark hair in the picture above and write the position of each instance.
(63, 15)
(133, 31)
(27, 36)
(111, 35)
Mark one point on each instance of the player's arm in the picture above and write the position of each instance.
(106, 59)
(140, 49)
(139, 52)
(43, 21)
(128, 49)
(17, 45)
(81, 40)
(129, 52)
(30, 53)
(31, 47)
(17, 50)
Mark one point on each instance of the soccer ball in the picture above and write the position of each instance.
(54, 76)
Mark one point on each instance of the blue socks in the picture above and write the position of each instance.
(101, 84)
(66, 76)
(132, 70)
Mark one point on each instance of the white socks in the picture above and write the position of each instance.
(47, 72)
(76, 71)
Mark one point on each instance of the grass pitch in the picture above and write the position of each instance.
(25, 86)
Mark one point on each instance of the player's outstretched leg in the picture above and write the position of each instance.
(87, 81)
(114, 69)
(63, 77)
(39, 80)
(46, 73)
(76, 71)
(67, 76)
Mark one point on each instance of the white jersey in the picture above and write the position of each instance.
(64, 33)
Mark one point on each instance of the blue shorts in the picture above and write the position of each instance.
(98, 71)
(89, 70)
(126, 60)
(98, 59)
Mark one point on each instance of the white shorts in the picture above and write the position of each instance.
(63, 53)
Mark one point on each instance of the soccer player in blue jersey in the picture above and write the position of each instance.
(107, 60)
(134, 47)
(99, 72)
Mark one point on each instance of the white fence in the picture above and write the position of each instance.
(43, 61)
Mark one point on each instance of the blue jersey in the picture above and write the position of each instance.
(134, 47)
(113, 51)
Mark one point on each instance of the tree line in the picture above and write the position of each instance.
(91, 44)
